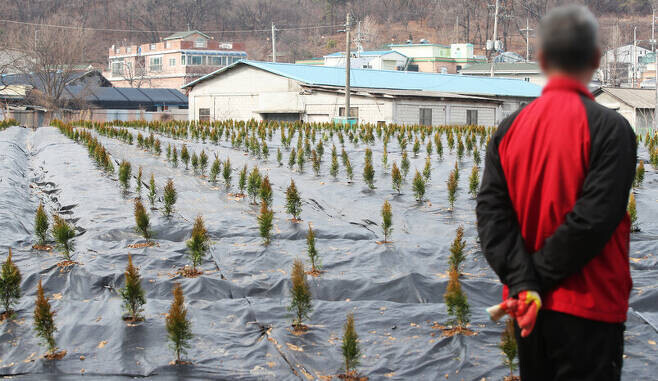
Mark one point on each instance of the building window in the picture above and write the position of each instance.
(472, 117)
(354, 112)
(152, 47)
(182, 59)
(204, 114)
(155, 64)
(166, 44)
(200, 43)
(172, 62)
(215, 61)
(425, 116)
(194, 60)
(117, 67)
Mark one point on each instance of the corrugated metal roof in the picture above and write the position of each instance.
(637, 98)
(366, 53)
(503, 67)
(126, 97)
(184, 34)
(389, 79)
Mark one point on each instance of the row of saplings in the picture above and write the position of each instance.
(179, 326)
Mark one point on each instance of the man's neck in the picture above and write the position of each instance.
(584, 77)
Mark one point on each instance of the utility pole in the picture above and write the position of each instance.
(634, 56)
(495, 38)
(527, 39)
(347, 68)
(273, 43)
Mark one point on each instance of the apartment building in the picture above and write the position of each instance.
(176, 60)
(437, 58)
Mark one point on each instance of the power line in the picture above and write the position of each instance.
(166, 31)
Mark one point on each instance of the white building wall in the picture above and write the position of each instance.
(408, 112)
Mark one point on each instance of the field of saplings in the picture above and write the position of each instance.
(265, 251)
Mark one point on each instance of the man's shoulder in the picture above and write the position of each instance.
(604, 118)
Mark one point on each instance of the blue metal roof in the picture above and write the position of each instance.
(390, 79)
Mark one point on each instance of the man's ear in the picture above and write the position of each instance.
(541, 58)
(596, 59)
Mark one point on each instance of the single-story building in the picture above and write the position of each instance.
(278, 91)
(373, 59)
(525, 71)
(636, 105)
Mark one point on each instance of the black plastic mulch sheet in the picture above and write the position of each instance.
(238, 307)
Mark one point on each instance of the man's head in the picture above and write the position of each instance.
(569, 43)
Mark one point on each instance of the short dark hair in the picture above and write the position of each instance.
(569, 38)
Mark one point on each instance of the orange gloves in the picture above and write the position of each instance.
(524, 309)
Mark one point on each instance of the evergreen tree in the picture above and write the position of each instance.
(253, 184)
(508, 347)
(315, 160)
(348, 170)
(350, 347)
(265, 222)
(174, 157)
(203, 162)
(429, 148)
(169, 152)
(265, 150)
(179, 329)
(456, 300)
(242, 181)
(132, 293)
(226, 173)
(293, 201)
(474, 181)
(456, 169)
(279, 156)
(63, 233)
(385, 160)
(427, 171)
(292, 159)
(169, 198)
(266, 191)
(396, 178)
(44, 323)
(639, 174)
(387, 221)
(310, 249)
(152, 191)
(457, 255)
(214, 170)
(41, 225)
(198, 243)
(452, 189)
(439, 148)
(138, 188)
(300, 160)
(476, 157)
(632, 212)
(333, 170)
(10, 285)
(369, 174)
(185, 156)
(460, 148)
(416, 147)
(195, 162)
(142, 219)
(404, 165)
(300, 292)
(124, 174)
(418, 186)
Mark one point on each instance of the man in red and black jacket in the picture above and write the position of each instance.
(552, 215)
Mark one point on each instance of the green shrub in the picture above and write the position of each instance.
(44, 323)
(418, 186)
(265, 222)
(632, 212)
(266, 191)
(456, 301)
(63, 233)
(300, 292)
(185, 156)
(311, 250)
(387, 221)
(10, 285)
(404, 165)
(179, 329)
(169, 198)
(292, 159)
(198, 243)
(203, 162)
(508, 347)
(124, 174)
(427, 170)
(253, 184)
(152, 190)
(315, 160)
(226, 173)
(174, 157)
(474, 181)
(396, 178)
(350, 346)
(138, 188)
(41, 225)
(639, 174)
(132, 293)
(195, 162)
(369, 174)
(293, 201)
(142, 219)
(300, 160)
(457, 255)
(452, 189)
(242, 181)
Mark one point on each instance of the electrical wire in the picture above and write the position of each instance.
(168, 31)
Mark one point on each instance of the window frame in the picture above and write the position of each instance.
(354, 112)
(423, 117)
(206, 114)
(469, 117)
